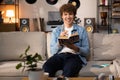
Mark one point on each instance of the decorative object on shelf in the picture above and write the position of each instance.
(42, 24)
(116, 9)
(51, 2)
(30, 1)
(30, 63)
(103, 17)
(115, 30)
(35, 23)
(24, 25)
(102, 2)
(76, 3)
(106, 2)
(10, 14)
(9, 2)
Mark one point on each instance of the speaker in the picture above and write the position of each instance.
(89, 24)
(24, 25)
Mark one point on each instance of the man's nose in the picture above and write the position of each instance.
(68, 15)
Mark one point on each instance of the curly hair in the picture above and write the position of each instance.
(68, 8)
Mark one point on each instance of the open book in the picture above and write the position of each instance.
(72, 39)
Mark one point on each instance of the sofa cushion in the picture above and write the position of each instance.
(7, 68)
(89, 70)
(48, 44)
(106, 46)
(12, 44)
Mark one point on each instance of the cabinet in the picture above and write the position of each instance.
(104, 16)
(7, 27)
(9, 14)
(115, 16)
(108, 16)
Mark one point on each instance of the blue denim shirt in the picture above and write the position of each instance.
(83, 43)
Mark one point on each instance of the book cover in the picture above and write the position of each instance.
(72, 39)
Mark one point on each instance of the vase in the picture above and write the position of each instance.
(36, 75)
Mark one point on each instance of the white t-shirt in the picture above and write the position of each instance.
(66, 49)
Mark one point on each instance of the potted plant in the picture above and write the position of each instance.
(30, 62)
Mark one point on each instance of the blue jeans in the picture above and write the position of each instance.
(68, 62)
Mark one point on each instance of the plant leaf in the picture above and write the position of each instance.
(21, 55)
(34, 65)
(39, 57)
(27, 49)
(30, 61)
(19, 66)
(28, 57)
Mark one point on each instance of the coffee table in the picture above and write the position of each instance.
(75, 78)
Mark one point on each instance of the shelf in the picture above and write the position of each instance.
(104, 23)
(116, 1)
(103, 5)
(7, 5)
(103, 28)
(115, 15)
(7, 27)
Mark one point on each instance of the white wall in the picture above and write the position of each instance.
(87, 9)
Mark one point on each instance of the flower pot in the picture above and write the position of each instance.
(36, 75)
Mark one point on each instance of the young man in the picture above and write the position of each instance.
(69, 57)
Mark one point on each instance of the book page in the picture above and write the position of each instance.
(72, 39)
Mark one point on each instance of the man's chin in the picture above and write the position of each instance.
(69, 23)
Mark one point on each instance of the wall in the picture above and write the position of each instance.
(40, 9)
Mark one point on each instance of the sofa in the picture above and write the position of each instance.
(12, 44)
(104, 48)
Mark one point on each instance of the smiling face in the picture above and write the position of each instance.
(68, 12)
(68, 19)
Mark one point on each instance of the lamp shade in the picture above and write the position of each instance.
(10, 13)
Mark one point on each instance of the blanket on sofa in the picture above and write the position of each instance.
(115, 67)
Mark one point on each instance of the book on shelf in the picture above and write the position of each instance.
(70, 40)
